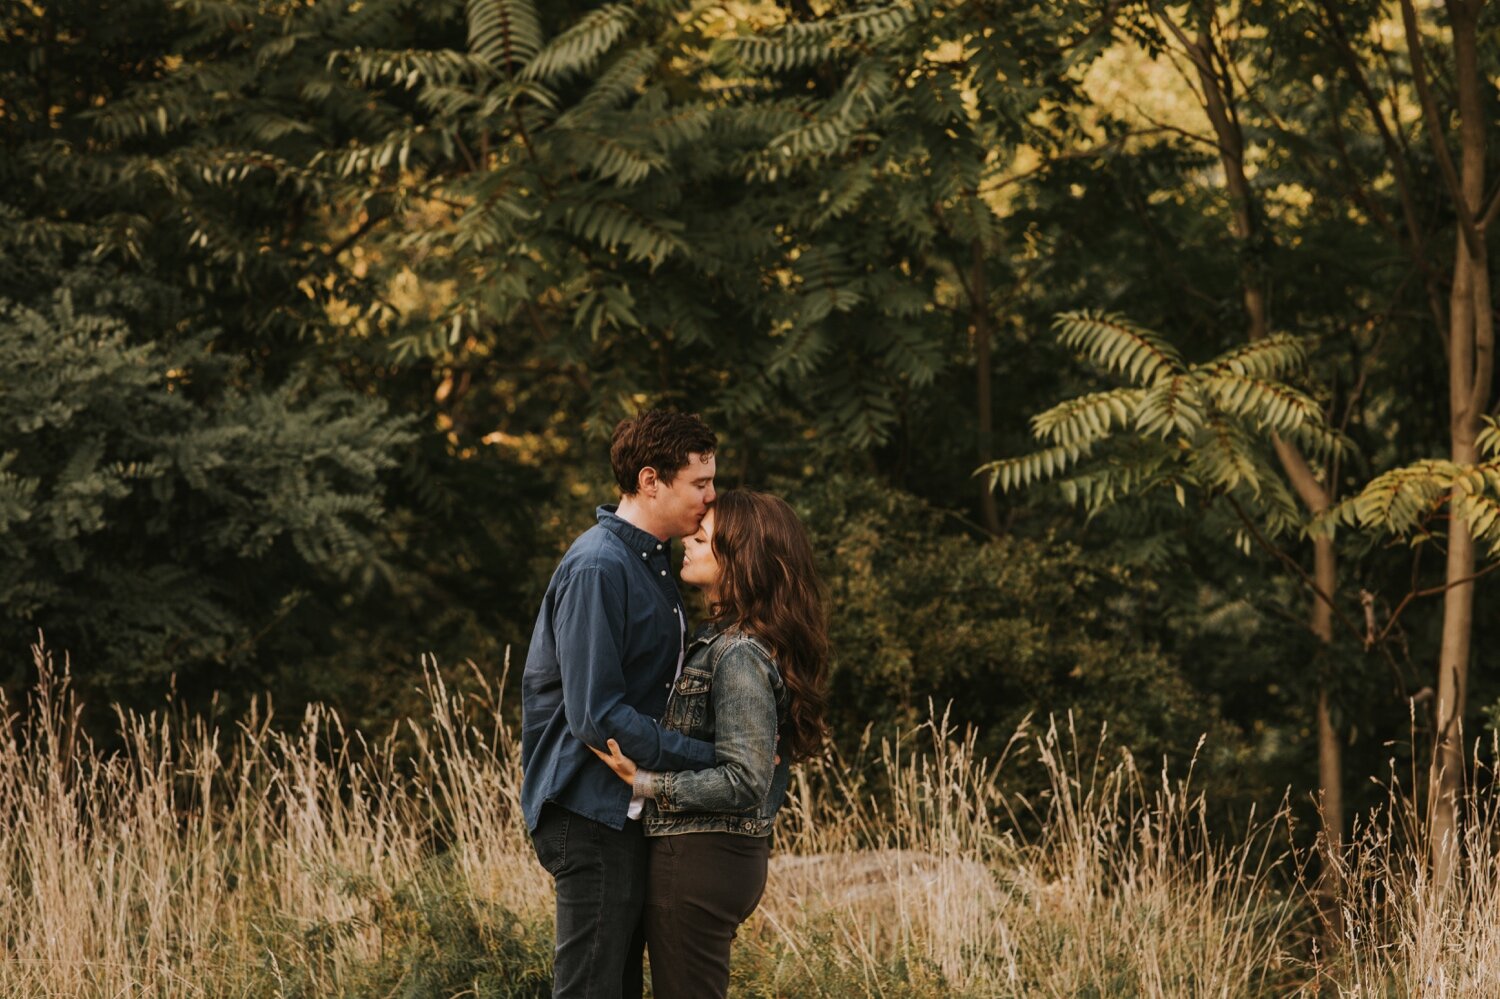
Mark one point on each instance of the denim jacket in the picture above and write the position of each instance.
(730, 692)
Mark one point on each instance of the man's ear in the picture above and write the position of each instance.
(645, 482)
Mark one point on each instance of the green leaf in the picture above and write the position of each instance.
(577, 49)
(1088, 417)
(1118, 345)
(505, 33)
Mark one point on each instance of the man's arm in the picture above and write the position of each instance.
(589, 625)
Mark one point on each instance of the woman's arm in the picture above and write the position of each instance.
(744, 704)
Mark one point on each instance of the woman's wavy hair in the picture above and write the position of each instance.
(769, 587)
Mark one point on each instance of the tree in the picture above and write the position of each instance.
(200, 473)
(1464, 325)
(160, 514)
(1471, 360)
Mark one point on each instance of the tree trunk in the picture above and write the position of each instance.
(1218, 105)
(983, 336)
(1445, 784)
(1465, 384)
(1471, 339)
(1330, 750)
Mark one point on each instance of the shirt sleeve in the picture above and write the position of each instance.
(744, 743)
(589, 632)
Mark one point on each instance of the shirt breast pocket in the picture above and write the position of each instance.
(688, 710)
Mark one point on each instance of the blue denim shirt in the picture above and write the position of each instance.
(730, 692)
(600, 666)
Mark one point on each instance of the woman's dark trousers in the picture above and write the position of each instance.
(601, 882)
(701, 887)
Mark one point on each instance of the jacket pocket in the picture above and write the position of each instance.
(689, 704)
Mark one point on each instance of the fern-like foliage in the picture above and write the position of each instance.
(1088, 418)
(581, 46)
(1118, 345)
(615, 225)
(1276, 356)
(1488, 440)
(1408, 501)
(504, 33)
(800, 44)
(1039, 466)
(1205, 426)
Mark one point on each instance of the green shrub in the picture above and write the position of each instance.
(1002, 628)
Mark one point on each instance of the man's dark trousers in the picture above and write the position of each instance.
(601, 887)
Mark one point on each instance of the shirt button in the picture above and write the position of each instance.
(664, 572)
(644, 555)
(658, 547)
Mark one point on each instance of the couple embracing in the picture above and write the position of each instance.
(654, 760)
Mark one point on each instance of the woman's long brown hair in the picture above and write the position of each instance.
(769, 587)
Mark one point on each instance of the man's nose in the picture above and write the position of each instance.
(709, 495)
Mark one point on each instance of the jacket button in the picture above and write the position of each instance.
(664, 572)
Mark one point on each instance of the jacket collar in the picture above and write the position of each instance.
(643, 542)
(708, 633)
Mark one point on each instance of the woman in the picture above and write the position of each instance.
(752, 683)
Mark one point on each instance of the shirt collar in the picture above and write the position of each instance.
(643, 543)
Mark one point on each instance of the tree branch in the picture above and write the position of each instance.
(1396, 155)
(1436, 132)
(1431, 591)
(1294, 565)
(1490, 211)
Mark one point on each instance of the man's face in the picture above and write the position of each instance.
(681, 504)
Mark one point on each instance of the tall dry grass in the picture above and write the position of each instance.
(1403, 934)
(197, 861)
(204, 860)
(1115, 887)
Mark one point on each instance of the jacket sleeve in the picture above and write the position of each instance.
(589, 633)
(744, 705)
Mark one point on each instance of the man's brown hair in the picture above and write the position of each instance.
(658, 439)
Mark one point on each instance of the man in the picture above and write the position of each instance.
(607, 645)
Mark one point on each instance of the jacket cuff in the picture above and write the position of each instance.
(644, 784)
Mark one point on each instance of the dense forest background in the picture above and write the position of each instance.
(315, 318)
